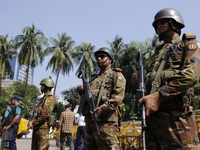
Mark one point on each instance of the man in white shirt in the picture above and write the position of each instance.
(80, 136)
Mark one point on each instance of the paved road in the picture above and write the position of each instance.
(25, 144)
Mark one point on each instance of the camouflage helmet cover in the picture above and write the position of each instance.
(169, 13)
(105, 50)
(48, 82)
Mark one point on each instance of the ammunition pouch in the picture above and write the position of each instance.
(121, 111)
(51, 120)
(189, 100)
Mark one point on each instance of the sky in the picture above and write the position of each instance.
(90, 21)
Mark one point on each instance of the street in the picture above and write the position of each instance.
(25, 144)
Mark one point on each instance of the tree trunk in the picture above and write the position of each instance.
(54, 92)
(26, 80)
(0, 82)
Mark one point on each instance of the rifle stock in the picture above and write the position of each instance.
(140, 94)
(89, 99)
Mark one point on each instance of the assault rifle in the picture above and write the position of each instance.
(32, 110)
(31, 114)
(140, 94)
(89, 99)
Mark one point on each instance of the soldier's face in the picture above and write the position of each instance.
(103, 59)
(162, 25)
(42, 88)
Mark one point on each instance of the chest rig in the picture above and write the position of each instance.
(168, 60)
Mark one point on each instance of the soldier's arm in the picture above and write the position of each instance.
(117, 94)
(186, 77)
(46, 111)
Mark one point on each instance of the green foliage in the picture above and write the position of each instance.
(117, 47)
(197, 93)
(60, 61)
(18, 88)
(72, 97)
(83, 56)
(30, 45)
(129, 105)
(58, 109)
(129, 66)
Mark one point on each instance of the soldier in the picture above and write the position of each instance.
(42, 116)
(172, 72)
(107, 99)
(12, 122)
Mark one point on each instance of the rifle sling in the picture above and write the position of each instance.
(101, 89)
(155, 83)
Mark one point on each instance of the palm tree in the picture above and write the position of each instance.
(149, 46)
(60, 61)
(6, 54)
(83, 56)
(30, 44)
(117, 47)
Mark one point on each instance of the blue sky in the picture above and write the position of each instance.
(90, 21)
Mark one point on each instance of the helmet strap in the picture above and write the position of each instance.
(102, 63)
(162, 35)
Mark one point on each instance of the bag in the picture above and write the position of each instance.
(51, 120)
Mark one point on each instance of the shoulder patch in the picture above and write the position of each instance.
(120, 77)
(118, 69)
(192, 46)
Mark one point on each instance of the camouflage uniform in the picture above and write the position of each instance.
(40, 137)
(114, 89)
(173, 125)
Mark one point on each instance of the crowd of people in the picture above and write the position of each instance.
(171, 74)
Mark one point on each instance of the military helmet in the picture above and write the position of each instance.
(105, 50)
(48, 82)
(169, 13)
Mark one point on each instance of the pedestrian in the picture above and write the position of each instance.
(7, 105)
(66, 122)
(80, 135)
(42, 121)
(172, 72)
(12, 122)
(108, 88)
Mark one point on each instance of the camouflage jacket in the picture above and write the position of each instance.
(180, 73)
(43, 109)
(114, 90)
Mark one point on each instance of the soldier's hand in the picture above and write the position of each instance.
(80, 89)
(152, 102)
(98, 111)
(30, 124)
(134, 79)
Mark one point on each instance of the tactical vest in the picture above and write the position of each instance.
(38, 108)
(175, 53)
(110, 81)
(12, 115)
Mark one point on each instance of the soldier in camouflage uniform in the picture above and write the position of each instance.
(106, 107)
(42, 113)
(172, 72)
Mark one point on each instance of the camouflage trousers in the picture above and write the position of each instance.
(107, 140)
(166, 131)
(40, 139)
